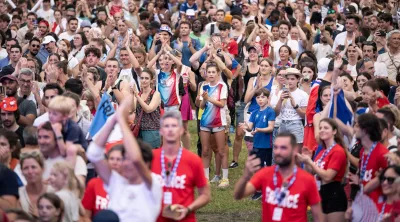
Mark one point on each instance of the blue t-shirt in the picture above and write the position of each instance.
(185, 7)
(186, 53)
(260, 119)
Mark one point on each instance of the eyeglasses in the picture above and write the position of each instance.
(331, 11)
(390, 180)
(36, 46)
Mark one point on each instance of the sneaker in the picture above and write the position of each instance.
(223, 183)
(229, 142)
(233, 165)
(216, 179)
(256, 196)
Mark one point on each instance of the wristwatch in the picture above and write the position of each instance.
(59, 137)
(296, 106)
(114, 88)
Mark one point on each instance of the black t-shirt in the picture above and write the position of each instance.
(8, 182)
(73, 133)
(20, 132)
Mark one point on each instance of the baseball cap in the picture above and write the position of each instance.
(323, 67)
(106, 216)
(154, 25)
(165, 28)
(10, 77)
(86, 23)
(250, 48)
(9, 104)
(48, 39)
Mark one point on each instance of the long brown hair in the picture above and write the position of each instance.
(338, 138)
(56, 201)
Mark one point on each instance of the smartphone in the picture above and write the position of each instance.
(206, 88)
(284, 89)
(341, 47)
(382, 33)
(256, 19)
(3, 91)
(253, 152)
(35, 24)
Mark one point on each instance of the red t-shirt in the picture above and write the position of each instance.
(233, 47)
(388, 209)
(376, 162)
(95, 197)
(302, 193)
(189, 175)
(335, 160)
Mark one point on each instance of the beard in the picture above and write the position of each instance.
(284, 162)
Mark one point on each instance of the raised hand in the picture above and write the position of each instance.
(338, 62)
(252, 165)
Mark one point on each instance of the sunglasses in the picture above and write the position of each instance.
(390, 180)
(36, 46)
(331, 11)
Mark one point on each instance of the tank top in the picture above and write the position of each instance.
(246, 79)
(253, 103)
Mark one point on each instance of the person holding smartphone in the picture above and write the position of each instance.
(213, 101)
(292, 106)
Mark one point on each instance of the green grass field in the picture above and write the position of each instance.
(223, 207)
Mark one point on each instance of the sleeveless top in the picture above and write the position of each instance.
(150, 121)
(246, 79)
(253, 103)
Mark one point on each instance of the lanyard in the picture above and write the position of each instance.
(326, 152)
(382, 212)
(364, 164)
(280, 192)
(166, 175)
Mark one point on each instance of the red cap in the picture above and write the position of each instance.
(9, 104)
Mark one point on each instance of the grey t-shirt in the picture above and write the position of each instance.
(26, 107)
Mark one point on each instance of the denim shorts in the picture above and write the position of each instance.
(151, 137)
(212, 130)
(293, 126)
(240, 113)
(171, 108)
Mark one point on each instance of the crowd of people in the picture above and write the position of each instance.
(97, 96)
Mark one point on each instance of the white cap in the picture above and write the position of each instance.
(323, 67)
(48, 39)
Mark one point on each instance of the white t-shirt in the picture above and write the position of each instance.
(287, 111)
(353, 70)
(321, 51)
(293, 44)
(274, 100)
(391, 63)
(71, 205)
(47, 15)
(126, 75)
(339, 40)
(66, 36)
(380, 69)
(208, 28)
(41, 119)
(134, 202)
(3, 53)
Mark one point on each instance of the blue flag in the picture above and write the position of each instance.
(104, 110)
(342, 111)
